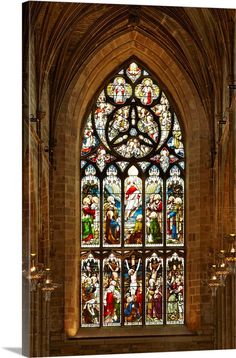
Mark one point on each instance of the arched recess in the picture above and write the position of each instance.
(76, 105)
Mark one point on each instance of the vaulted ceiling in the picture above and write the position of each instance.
(66, 34)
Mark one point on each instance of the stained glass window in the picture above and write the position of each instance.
(112, 290)
(132, 206)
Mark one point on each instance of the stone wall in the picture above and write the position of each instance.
(51, 173)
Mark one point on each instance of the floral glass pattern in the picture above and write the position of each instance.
(132, 205)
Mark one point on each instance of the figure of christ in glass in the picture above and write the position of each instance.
(133, 217)
(133, 305)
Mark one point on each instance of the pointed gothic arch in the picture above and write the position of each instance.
(132, 205)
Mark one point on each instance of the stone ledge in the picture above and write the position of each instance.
(165, 342)
(132, 332)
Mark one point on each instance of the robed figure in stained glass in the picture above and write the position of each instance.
(153, 212)
(89, 141)
(112, 291)
(112, 227)
(89, 213)
(174, 208)
(90, 207)
(119, 91)
(90, 291)
(154, 288)
(175, 289)
(112, 207)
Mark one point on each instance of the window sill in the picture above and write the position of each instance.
(133, 332)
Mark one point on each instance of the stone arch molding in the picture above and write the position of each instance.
(104, 62)
(75, 108)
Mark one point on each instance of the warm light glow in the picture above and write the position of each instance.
(133, 171)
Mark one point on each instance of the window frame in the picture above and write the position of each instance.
(146, 250)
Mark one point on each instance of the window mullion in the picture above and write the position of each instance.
(143, 253)
(164, 305)
(101, 289)
(122, 245)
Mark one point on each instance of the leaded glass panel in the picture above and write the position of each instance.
(132, 205)
(90, 208)
(112, 208)
(133, 290)
(175, 289)
(154, 208)
(112, 290)
(154, 290)
(90, 291)
(133, 220)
